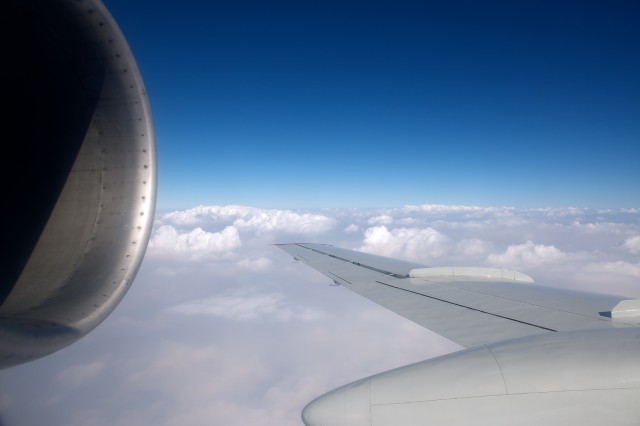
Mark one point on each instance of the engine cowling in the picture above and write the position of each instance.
(587, 377)
(79, 181)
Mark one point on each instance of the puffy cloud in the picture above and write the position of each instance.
(207, 215)
(285, 221)
(216, 232)
(632, 244)
(614, 268)
(352, 228)
(472, 248)
(610, 277)
(384, 219)
(409, 243)
(196, 216)
(449, 209)
(527, 254)
(601, 228)
(252, 219)
(195, 244)
(248, 306)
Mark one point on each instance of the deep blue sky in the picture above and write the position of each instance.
(364, 103)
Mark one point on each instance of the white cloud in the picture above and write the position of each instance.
(409, 243)
(472, 248)
(617, 277)
(384, 219)
(599, 228)
(196, 243)
(352, 228)
(285, 221)
(527, 254)
(194, 216)
(249, 306)
(252, 219)
(621, 268)
(632, 244)
(449, 209)
(261, 264)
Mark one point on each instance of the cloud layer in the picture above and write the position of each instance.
(246, 305)
(222, 325)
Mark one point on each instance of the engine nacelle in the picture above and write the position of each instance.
(553, 378)
(80, 207)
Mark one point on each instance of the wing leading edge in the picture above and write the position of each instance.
(470, 306)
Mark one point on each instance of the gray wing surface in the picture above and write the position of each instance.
(468, 311)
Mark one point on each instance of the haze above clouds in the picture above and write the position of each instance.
(221, 327)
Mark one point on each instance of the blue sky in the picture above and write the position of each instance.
(382, 104)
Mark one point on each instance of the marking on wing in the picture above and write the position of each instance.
(339, 277)
(362, 265)
(467, 307)
(538, 305)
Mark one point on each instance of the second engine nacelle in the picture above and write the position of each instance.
(553, 378)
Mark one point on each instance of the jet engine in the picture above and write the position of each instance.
(551, 378)
(78, 174)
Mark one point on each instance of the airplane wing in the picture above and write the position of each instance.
(470, 306)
